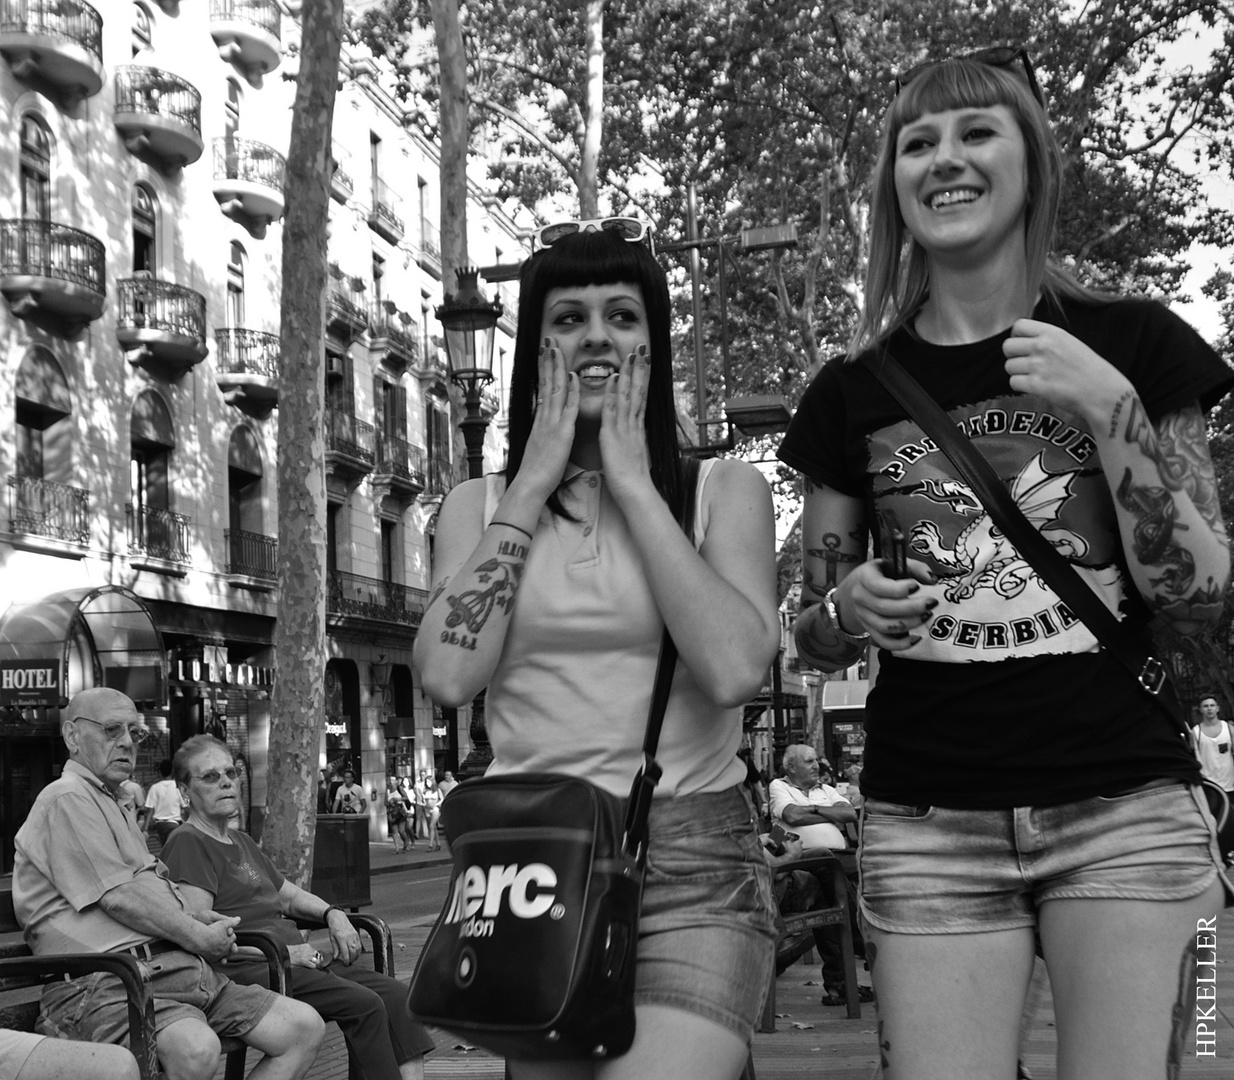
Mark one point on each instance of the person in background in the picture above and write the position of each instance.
(85, 881)
(421, 823)
(448, 783)
(323, 791)
(163, 809)
(240, 819)
(396, 815)
(131, 797)
(554, 585)
(225, 871)
(432, 811)
(1214, 746)
(349, 798)
(1016, 778)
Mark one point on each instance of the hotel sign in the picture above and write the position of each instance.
(31, 682)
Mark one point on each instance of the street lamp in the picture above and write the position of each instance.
(470, 322)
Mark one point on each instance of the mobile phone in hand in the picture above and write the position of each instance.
(893, 544)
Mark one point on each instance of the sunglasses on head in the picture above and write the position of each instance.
(999, 56)
(628, 228)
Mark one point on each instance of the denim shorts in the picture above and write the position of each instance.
(707, 930)
(94, 1008)
(939, 871)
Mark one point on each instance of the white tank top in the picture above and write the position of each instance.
(573, 684)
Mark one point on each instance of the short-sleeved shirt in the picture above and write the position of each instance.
(77, 844)
(782, 793)
(244, 881)
(163, 801)
(349, 797)
(15, 1048)
(1007, 700)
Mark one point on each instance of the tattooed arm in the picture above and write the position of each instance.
(834, 546)
(1162, 478)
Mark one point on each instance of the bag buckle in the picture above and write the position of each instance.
(1152, 675)
(634, 837)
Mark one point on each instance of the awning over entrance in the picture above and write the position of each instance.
(67, 641)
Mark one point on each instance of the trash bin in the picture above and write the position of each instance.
(340, 860)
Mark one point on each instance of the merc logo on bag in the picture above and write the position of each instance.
(476, 899)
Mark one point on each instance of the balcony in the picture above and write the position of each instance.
(430, 364)
(159, 116)
(158, 539)
(429, 256)
(395, 337)
(350, 596)
(399, 472)
(59, 44)
(248, 35)
(53, 271)
(384, 217)
(342, 187)
(246, 366)
(161, 326)
(49, 516)
(508, 319)
(248, 182)
(442, 477)
(350, 446)
(251, 560)
(346, 310)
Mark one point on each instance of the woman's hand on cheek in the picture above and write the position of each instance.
(552, 427)
(1046, 361)
(623, 431)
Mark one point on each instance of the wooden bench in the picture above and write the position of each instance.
(796, 934)
(22, 976)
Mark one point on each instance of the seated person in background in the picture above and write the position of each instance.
(84, 881)
(817, 813)
(26, 1056)
(219, 868)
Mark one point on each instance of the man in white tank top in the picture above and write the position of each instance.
(1213, 745)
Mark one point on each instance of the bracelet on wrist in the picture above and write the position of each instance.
(508, 525)
(325, 918)
(833, 614)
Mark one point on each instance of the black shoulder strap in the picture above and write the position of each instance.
(1055, 570)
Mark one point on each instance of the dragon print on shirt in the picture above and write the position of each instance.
(990, 599)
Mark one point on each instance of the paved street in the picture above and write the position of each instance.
(810, 1040)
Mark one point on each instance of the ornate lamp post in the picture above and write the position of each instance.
(470, 323)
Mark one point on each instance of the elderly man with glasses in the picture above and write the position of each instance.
(84, 881)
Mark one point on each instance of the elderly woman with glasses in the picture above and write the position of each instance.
(555, 583)
(224, 870)
(1017, 780)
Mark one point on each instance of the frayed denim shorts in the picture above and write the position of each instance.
(930, 870)
(707, 931)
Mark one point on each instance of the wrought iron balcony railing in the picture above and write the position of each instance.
(398, 457)
(147, 303)
(386, 207)
(245, 159)
(37, 248)
(39, 507)
(67, 20)
(430, 239)
(263, 14)
(251, 554)
(399, 329)
(346, 305)
(247, 352)
(351, 595)
(442, 476)
(141, 89)
(350, 436)
(157, 533)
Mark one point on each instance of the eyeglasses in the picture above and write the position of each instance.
(1000, 56)
(113, 731)
(628, 228)
(213, 776)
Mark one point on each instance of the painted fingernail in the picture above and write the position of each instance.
(931, 604)
(933, 578)
(914, 587)
(914, 638)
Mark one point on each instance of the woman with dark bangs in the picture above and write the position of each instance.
(553, 586)
(1016, 780)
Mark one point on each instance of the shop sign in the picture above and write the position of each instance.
(336, 729)
(27, 683)
(239, 675)
(440, 732)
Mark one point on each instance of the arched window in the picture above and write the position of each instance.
(235, 287)
(144, 246)
(42, 403)
(141, 30)
(35, 169)
(152, 440)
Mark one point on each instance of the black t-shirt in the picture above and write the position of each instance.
(1007, 700)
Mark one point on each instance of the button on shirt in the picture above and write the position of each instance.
(76, 845)
(813, 837)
